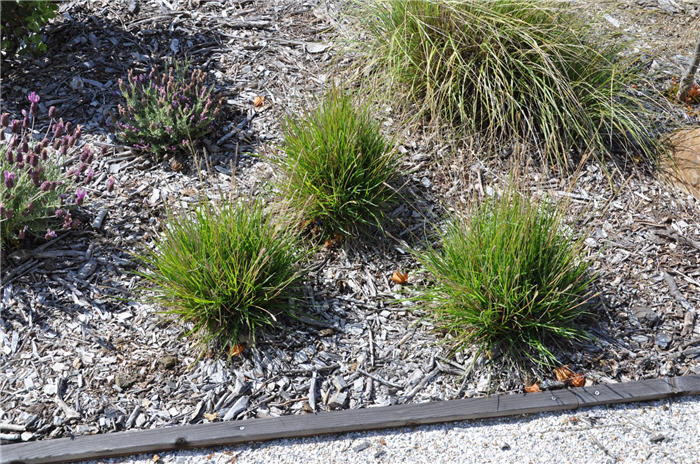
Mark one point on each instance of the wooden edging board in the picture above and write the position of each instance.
(235, 432)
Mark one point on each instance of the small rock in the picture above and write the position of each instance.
(140, 420)
(658, 438)
(505, 447)
(688, 323)
(338, 400)
(669, 6)
(426, 182)
(315, 47)
(26, 436)
(168, 362)
(662, 341)
(612, 20)
(361, 447)
(125, 381)
(645, 315)
(326, 332)
(641, 339)
(237, 408)
(99, 219)
(197, 411)
(693, 352)
(339, 382)
(87, 270)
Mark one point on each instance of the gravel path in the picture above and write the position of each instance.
(658, 432)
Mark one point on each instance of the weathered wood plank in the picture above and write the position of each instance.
(223, 433)
(227, 433)
(687, 384)
(643, 390)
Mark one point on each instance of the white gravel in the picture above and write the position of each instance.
(656, 432)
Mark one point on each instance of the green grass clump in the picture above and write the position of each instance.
(526, 70)
(509, 280)
(226, 270)
(339, 166)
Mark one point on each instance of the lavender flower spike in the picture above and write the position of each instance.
(79, 196)
(50, 234)
(9, 179)
(33, 97)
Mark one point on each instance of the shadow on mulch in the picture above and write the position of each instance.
(90, 50)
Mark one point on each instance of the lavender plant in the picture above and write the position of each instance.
(166, 112)
(38, 191)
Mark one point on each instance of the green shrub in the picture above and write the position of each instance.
(508, 280)
(21, 23)
(226, 270)
(525, 69)
(37, 191)
(166, 112)
(339, 166)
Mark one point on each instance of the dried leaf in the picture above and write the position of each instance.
(534, 388)
(258, 101)
(337, 239)
(399, 277)
(578, 381)
(210, 416)
(155, 458)
(175, 165)
(563, 373)
(236, 350)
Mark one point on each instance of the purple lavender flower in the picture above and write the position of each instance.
(9, 179)
(79, 196)
(50, 234)
(9, 157)
(84, 155)
(110, 184)
(33, 97)
(23, 233)
(4, 120)
(16, 127)
(52, 111)
(67, 221)
(45, 186)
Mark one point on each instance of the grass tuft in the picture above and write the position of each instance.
(339, 166)
(513, 70)
(509, 280)
(226, 270)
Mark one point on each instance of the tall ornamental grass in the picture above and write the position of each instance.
(512, 70)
